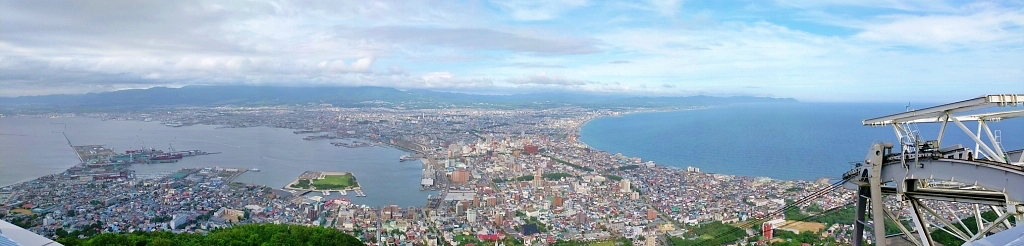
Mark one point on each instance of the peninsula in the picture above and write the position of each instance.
(326, 182)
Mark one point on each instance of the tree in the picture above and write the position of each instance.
(261, 234)
(60, 232)
(945, 238)
(714, 233)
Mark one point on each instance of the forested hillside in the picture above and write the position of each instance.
(256, 234)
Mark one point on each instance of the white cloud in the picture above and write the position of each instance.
(904, 5)
(788, 49)
(666, 7)
(534, 10)
(939, 30)
(363, 64)
(484, 39)
(448, 81)
(544, 79)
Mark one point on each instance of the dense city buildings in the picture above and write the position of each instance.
(516, 176)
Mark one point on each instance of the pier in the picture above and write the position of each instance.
(99, 156)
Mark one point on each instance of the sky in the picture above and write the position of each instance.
(811, 50)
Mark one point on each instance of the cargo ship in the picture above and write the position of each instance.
(166, 157)
(409, 158)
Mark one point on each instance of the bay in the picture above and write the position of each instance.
(34, 147)
(784, 141)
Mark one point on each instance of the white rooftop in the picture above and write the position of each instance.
(10, 233)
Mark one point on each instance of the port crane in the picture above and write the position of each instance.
(919, 174)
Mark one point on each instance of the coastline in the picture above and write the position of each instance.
(577, 130)
(209, 134)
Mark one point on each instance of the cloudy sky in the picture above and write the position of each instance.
(812, 50)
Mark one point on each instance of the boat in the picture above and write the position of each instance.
(254, 169)
(166, 157)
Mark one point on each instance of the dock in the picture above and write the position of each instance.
(359, 193)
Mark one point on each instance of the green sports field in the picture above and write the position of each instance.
(336, 182)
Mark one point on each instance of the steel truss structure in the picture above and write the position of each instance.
(921, 171)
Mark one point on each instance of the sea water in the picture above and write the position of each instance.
(777, 140)
(34, 147)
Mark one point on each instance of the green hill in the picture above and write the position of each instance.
(255, 234)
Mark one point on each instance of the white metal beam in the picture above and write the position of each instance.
(958, 233)
(977, 217)
(1000, 213)
(990, 227)
(988, 151)
(966, 105)
(943, 228)
(904, 228)
(992, 139)
(977, 145)
(899, 134)
(920, 223)
(996, 116)
(959, 220)
(942, 130)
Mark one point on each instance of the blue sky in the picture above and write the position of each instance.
(812, 50)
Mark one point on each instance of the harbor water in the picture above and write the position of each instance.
(34, 147)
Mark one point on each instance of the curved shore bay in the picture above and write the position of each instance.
(34, 147)
(783, 141)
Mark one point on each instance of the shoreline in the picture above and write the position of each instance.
(58, 170)
(577, 130)
(321, 175)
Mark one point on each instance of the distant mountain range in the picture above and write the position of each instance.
(159, 97)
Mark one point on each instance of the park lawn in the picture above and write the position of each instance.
(604, 243)
(330, 182)
(302, 184)
(467, 239)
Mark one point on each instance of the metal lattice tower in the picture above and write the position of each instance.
(918, 174)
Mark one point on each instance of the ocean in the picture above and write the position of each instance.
(783, 141)
(789, 141)
(34, 147)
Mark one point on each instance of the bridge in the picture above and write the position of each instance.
(920, 178)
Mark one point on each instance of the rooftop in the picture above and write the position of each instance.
(11, 234)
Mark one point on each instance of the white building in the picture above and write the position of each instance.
(178, 220)
(471, 216)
